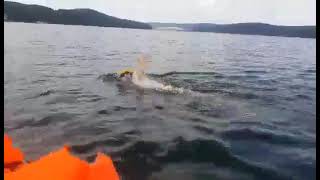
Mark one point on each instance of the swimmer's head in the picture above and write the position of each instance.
(126, 74)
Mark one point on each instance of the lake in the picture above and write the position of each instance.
(248, 109)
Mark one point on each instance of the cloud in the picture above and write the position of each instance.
(286, 12)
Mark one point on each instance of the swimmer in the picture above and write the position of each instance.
(125, 75)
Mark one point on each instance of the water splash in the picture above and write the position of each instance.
(140, 79)
(147, 83)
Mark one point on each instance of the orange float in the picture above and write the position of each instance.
(58, 165)
(13, 157)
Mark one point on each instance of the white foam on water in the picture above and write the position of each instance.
(143, 81)
(140, 79)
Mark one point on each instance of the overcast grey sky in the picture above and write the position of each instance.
(285, 12)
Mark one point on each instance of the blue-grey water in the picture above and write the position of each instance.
(249, 111)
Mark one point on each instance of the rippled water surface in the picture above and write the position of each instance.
(248, 110)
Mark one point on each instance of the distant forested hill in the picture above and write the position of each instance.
(259, 29)
(246, 28)
(18, 12)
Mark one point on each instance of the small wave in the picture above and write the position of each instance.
(108, 77)
(39, 81)
(104, 112)
(145, 157)
(241, 77)
(112, 54)
(255, 72)
(183, 73)
(197, 120)
(63, 100)
(215, 110)
(204, 129)
(158, 107)
(88, 147)
(295, 86)
(45, 121)
(265, 136)
(122, 108)
(303, 96)
(269, 82)
(45, 93)
(254, 124)
(310, 71)
(74, 91)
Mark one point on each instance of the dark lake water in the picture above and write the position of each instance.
(248, 110)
